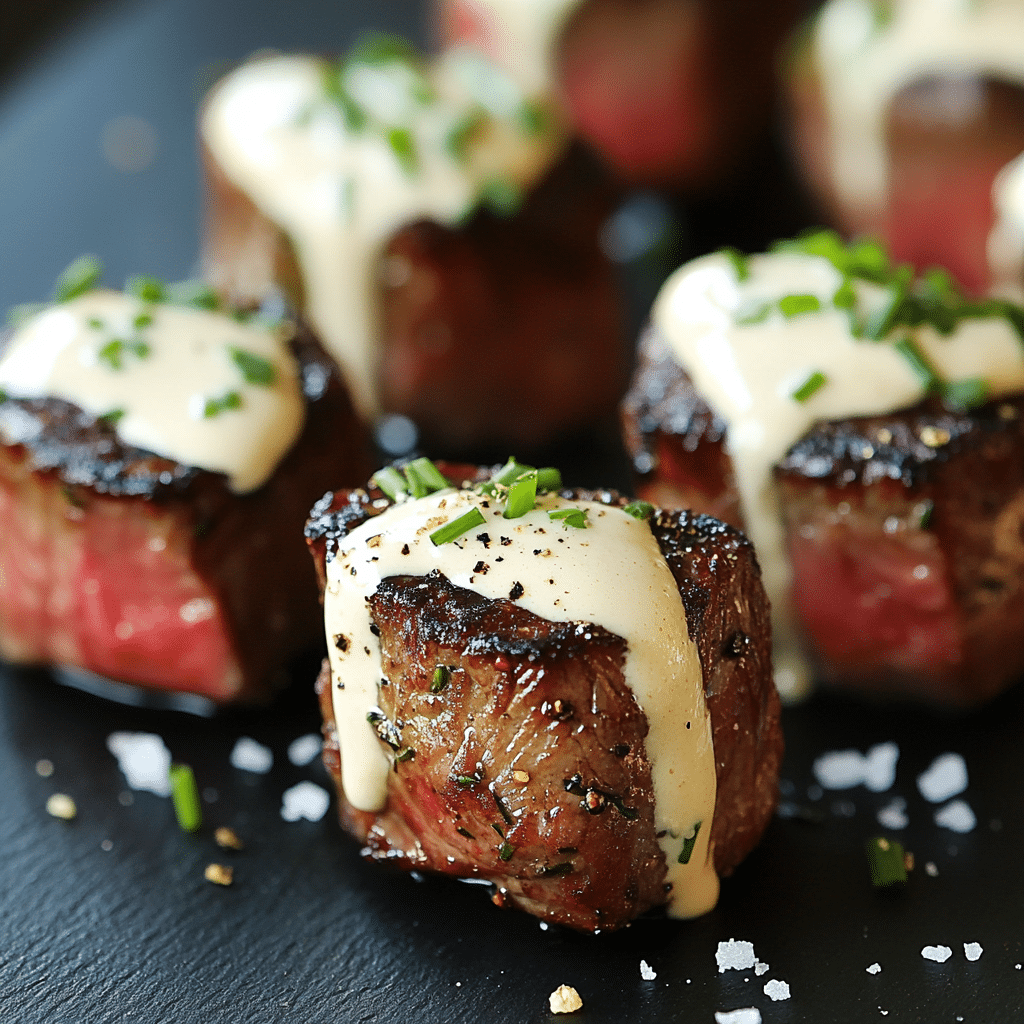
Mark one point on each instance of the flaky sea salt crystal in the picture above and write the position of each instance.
(304, 749)
(748, 1015)
(735, 955)
(973, 951)
(305, 800)
(143, 759)
(957, 816)
(940, 954)
(760, 968)
(647, 972)
(250, 756)
(944, 778)
(931, 870)
(874, 969)
(844, 769)
(776, 990)
(894, 814)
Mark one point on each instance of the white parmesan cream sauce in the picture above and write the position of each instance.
(611, 573)
(155, 378)
(340, 194)
(865, 58)
(747, 375)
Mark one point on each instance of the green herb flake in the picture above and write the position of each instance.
(255, 369)
(3, 396)
(215, 406)
(424, 478)
(457, 527)
(197, 294)
(141, 322)
(534, 118)
(688, 844)
(148, 289)
(522, 496)
(796, 305)
(78, 278)
(845, 296)
(112, 353)
(548, 479)
(740, 263)
(405, 754)
(506, 850)
(923, 370)
(965, 394)
(639, 509)
(502, 196)
(468, 780)
(403, 145)
(925, 519)
(185, 796)
(461, 135)
(391, 482)
(375, 48)
(570, 516)
(815, 382)
(94, 323)
(441, 678)
(886, 862)
(111, 418)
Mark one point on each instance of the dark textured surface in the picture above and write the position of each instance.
(309, 933)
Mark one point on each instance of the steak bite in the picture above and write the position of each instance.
(520, 748)
(434, 223)
(877, 465)
(145, 543)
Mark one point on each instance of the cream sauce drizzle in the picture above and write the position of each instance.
(747, 374)
(611, 573)
(163, 392)
(863, 66)
(340, 195)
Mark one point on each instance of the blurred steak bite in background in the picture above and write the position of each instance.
(158, 455)
(864, 427)
(559, 692)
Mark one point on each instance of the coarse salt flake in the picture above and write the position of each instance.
(565, 999)
(143, 759)
(776, 990)
(305, 800)
(957, 816)
(844, 769)
(946, 777)
(875, 968)
(250, 756)
(747, 1015)
(931, 870)
(648, 973)
(894, 814)
(940, 954)
(735, 955)
(973, 951)
(760, 968)
(304, 749)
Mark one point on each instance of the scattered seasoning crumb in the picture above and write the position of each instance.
(44, 767)
(305, 800)
(844, 769)
(940, 954)
(143, 759)
(520, 776)
(747, 1015)
(946, 777)
(931, 870)
(106, 846)
(973, 951)
(227, 839)
(957, 816)
(305, 749)
(735, 955)
(647, 972)
(777, 990)
(250, 756)
(60, 805)
(875, 968)
(565, 999)
(219, 874)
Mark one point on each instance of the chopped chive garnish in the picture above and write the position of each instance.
(403, 145)
(965, 394)
(111, 418)
(424, 477)
(140, 322)
(548, 479)
(111, 354)
(185, 796)
(405, 754)
(740, 263)
(814, 382)
(215, 406)
(570, 516)
(468, 780)
(501, 196)
(391, 482)
(149, 289)
(688, 844)
(795, 305)
(507, 475)
(522, 496)
(94, 323)
(457, 527)
(255, 369)
(459, 138)
(910, 351)
(926, 515)
(886, 861)
(750, 314)
(845, 296)
(639, 509)
(78, 278)
(506, 851)
(441, 678)
(192, 293)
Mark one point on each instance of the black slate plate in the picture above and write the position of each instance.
(108, 918)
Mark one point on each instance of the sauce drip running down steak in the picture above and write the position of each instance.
(514, 747)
